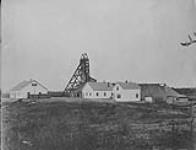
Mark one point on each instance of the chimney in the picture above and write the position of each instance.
(108, 84)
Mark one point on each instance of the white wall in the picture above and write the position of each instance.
(18, 94)
(34, 89)
(23, 93)
(126, 95)
(148, 99)
(87, 92)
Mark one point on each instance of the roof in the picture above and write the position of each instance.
(190, 92)
(24, 84)
(170, 92)
(152, 90)
(20, 86)
(128, 85)
(101, 86)
(158, 90)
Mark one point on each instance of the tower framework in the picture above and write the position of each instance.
(80, 76)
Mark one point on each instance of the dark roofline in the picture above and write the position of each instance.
(109, 85)
(151, 84)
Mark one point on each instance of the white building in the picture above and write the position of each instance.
(97, 90)
(126, 92)
(25, 88)
(120, 91)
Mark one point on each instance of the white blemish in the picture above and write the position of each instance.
(27, 142)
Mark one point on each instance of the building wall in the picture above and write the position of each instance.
(171, 100)
(182, 99)
(89, 93)
(34, 89)
(23, 93)
(155, 91)
(18, 94)
(126, 95)
(148, 99)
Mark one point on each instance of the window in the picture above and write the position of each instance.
(86, 94)
(34, 84)
(104, 94)
(137, 95)
(118, 96)
(97, 94)
(117, 88)
(78, 94)
(28, 94)
(90, 94)
(112, 94)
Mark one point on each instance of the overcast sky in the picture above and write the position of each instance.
(135, 40)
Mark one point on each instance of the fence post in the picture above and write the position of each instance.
(191, 115)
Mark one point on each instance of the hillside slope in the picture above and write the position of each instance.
(92, 126)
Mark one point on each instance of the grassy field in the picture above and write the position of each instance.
(93, 126)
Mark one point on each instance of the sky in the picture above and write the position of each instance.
(134, 40)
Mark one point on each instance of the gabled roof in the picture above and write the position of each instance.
(158, 90)
(152, 90)
(100, 86)
(190, 92)
(20, 86)
(170, 92)
(24, 84)
(128, 85)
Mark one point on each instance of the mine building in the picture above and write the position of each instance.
(119, 91)
(26, 89)
(127, 92)
(174, 97)
(97, 90)
(155, 92)
(80, 77)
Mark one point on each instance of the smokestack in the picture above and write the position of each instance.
(108, 84)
